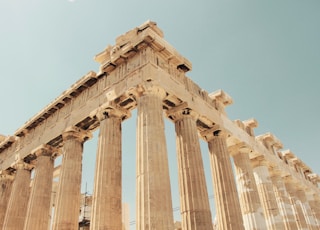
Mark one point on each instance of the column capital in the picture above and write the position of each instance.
(259, 161)
(23, 165)
(5, 174)
(239, 148)
(155, 90)
(111, 110)
(76, 133)
(275, 171)
(181, 111)
(45, 150)
(214, 132)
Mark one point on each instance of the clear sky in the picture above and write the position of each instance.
(264, 54)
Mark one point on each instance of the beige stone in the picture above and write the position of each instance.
(39, 208)
(18, 201)
(311, 198)
(316, 207)
(194, 201)
(283, 201)
(66, 211)
(6, 180)
(311, 223)
(265, 189)
(125, 216)
(296, 204)
(252, 211)
(227, 201)
(153, 204)
(2, 138)
(106, 210)
(142, 70)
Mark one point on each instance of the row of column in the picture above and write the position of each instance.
(154, 205)
(16, 206)
(265, 201)
(154, 210)
(25, 208)
(269, 201)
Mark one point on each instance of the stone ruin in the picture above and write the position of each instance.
(272, 188)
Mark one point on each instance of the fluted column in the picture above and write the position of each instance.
(5, 189)
(312, 203)
(300, 218)
(154, 202)
(194, 201)
(66, 212)
(282, 198)
(316, 207)
(306, 208)
(107, 199)
(252, 211)
(18, 201)
(39, 209)
(225, 192)
(266, 194)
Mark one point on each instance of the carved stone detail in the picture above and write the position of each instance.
(141, 70)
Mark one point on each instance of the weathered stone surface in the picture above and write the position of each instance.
(5, 189)
(154, 204)
(225, 191)
(143, 70)
(301, 195)
(296, 204)
(194, 201)
(268, 199)
(316, 207)
(252, 211)
(282, 198)
(18, 201)
(106, 210)
(66, 212)
(39, 208)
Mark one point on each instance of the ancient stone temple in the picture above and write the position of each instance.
(269, 188)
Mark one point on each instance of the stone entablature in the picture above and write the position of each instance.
(143, 69)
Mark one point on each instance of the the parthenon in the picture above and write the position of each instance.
(272, 188)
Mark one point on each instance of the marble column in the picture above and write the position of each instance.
(18, 201)
(194, 200)
(267, 197)
(225, 192)
(282, 198)
(252, 211)
(39, 209)
(66, 211)
(6, 180)
(301, 195)
(300, 218)
(316, 207)
(154, 202)
(312, 203)
(107, 194)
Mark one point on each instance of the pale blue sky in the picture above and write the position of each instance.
(265, 54)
